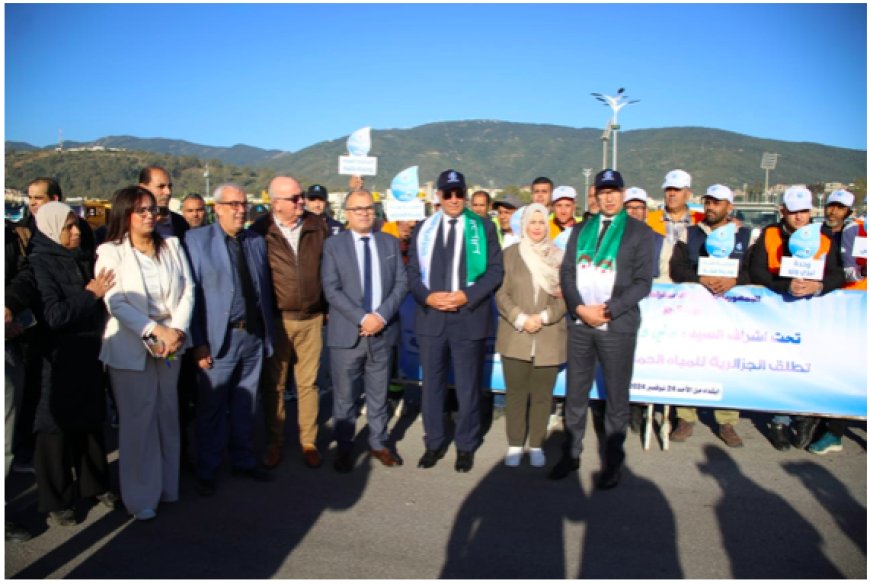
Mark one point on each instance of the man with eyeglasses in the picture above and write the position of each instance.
(156, 180)
(364, 281)
(606, 272)
(231, 332)
(454, 268)
(294, 241)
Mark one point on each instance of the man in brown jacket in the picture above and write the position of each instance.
(294, 241)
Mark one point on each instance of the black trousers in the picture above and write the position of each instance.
(58, 455)
(615, 351)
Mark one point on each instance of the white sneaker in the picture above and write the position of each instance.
(536, 457)
(513, 456)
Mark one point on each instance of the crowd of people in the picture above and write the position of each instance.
(189, 324)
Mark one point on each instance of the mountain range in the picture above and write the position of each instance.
(489, 153)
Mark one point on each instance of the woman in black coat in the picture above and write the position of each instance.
(69, 418)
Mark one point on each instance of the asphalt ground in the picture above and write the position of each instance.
(697, 510)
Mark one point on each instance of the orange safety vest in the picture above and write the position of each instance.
(656, 220)
(860, 284)
(773, 245)
(555, 229)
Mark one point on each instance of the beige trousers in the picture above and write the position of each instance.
(297, 342)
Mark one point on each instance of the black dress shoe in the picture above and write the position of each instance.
(564, 467)
(431, 457)
(261, 475)
(343, 462)
(16, 533)
(804, 429)
(205, 487)
(464, 461)
(609, 477)
(779, 437)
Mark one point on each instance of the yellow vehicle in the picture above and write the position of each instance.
(96, 212)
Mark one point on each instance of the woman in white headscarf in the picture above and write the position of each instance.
(69, 417)
(531, 334)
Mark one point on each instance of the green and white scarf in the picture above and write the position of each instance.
(475, 245)
(596, 270)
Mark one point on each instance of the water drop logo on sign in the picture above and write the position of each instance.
(720, 242)
(405, 185)
(805, 242)
(360, 142)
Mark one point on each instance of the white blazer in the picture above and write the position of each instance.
(127, 301)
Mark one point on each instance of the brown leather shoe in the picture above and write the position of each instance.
(729, 436)
(273, 457)
(386, 457)
(683, 430)
(311, 457)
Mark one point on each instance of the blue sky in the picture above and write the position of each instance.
(289, 76)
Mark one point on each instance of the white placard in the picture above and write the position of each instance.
(792, 267)
(358, 165)
(405, 210)
(859, 250)
(719, 267)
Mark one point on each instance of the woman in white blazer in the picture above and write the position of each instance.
(150, 308)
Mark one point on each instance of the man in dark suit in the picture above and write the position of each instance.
(231, 332)
(157, 180)
(607, 271)
(364, 282)
(454, 267)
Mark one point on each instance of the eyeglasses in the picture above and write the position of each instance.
(236, 205)
(142, 211)
(360, 210)
(292, 199)
(452, 195)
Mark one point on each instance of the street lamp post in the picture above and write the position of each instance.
(587, 172)
(768, 163)
(616, 104)
(205, 174)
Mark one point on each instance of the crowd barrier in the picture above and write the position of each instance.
(750, 349)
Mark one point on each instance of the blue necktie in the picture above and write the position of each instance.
(448, 255)
(367, 275)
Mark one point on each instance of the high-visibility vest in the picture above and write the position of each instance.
(656, 220)
(773, 243)
(556, 229)
(860, 284)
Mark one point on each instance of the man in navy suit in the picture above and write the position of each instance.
(364, 282)
(607, 270)
(232, 333)
(454, 267)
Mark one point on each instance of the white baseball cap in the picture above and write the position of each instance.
(677, 179)
(634, 194)
(797, 199)
(564, 193)
(721, 193)
(845, 198)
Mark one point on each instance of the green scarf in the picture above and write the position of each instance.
(475, 246)
(605, 257)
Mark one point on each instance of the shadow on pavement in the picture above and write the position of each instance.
(849, 514)
(762, 534)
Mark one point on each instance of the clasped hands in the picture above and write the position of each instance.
(371, 325)
(717, 285)
(594, 315)
(172, 339)
(447, 301)
(800, 287)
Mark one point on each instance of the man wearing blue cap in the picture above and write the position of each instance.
(606, 272)
(454, 268)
